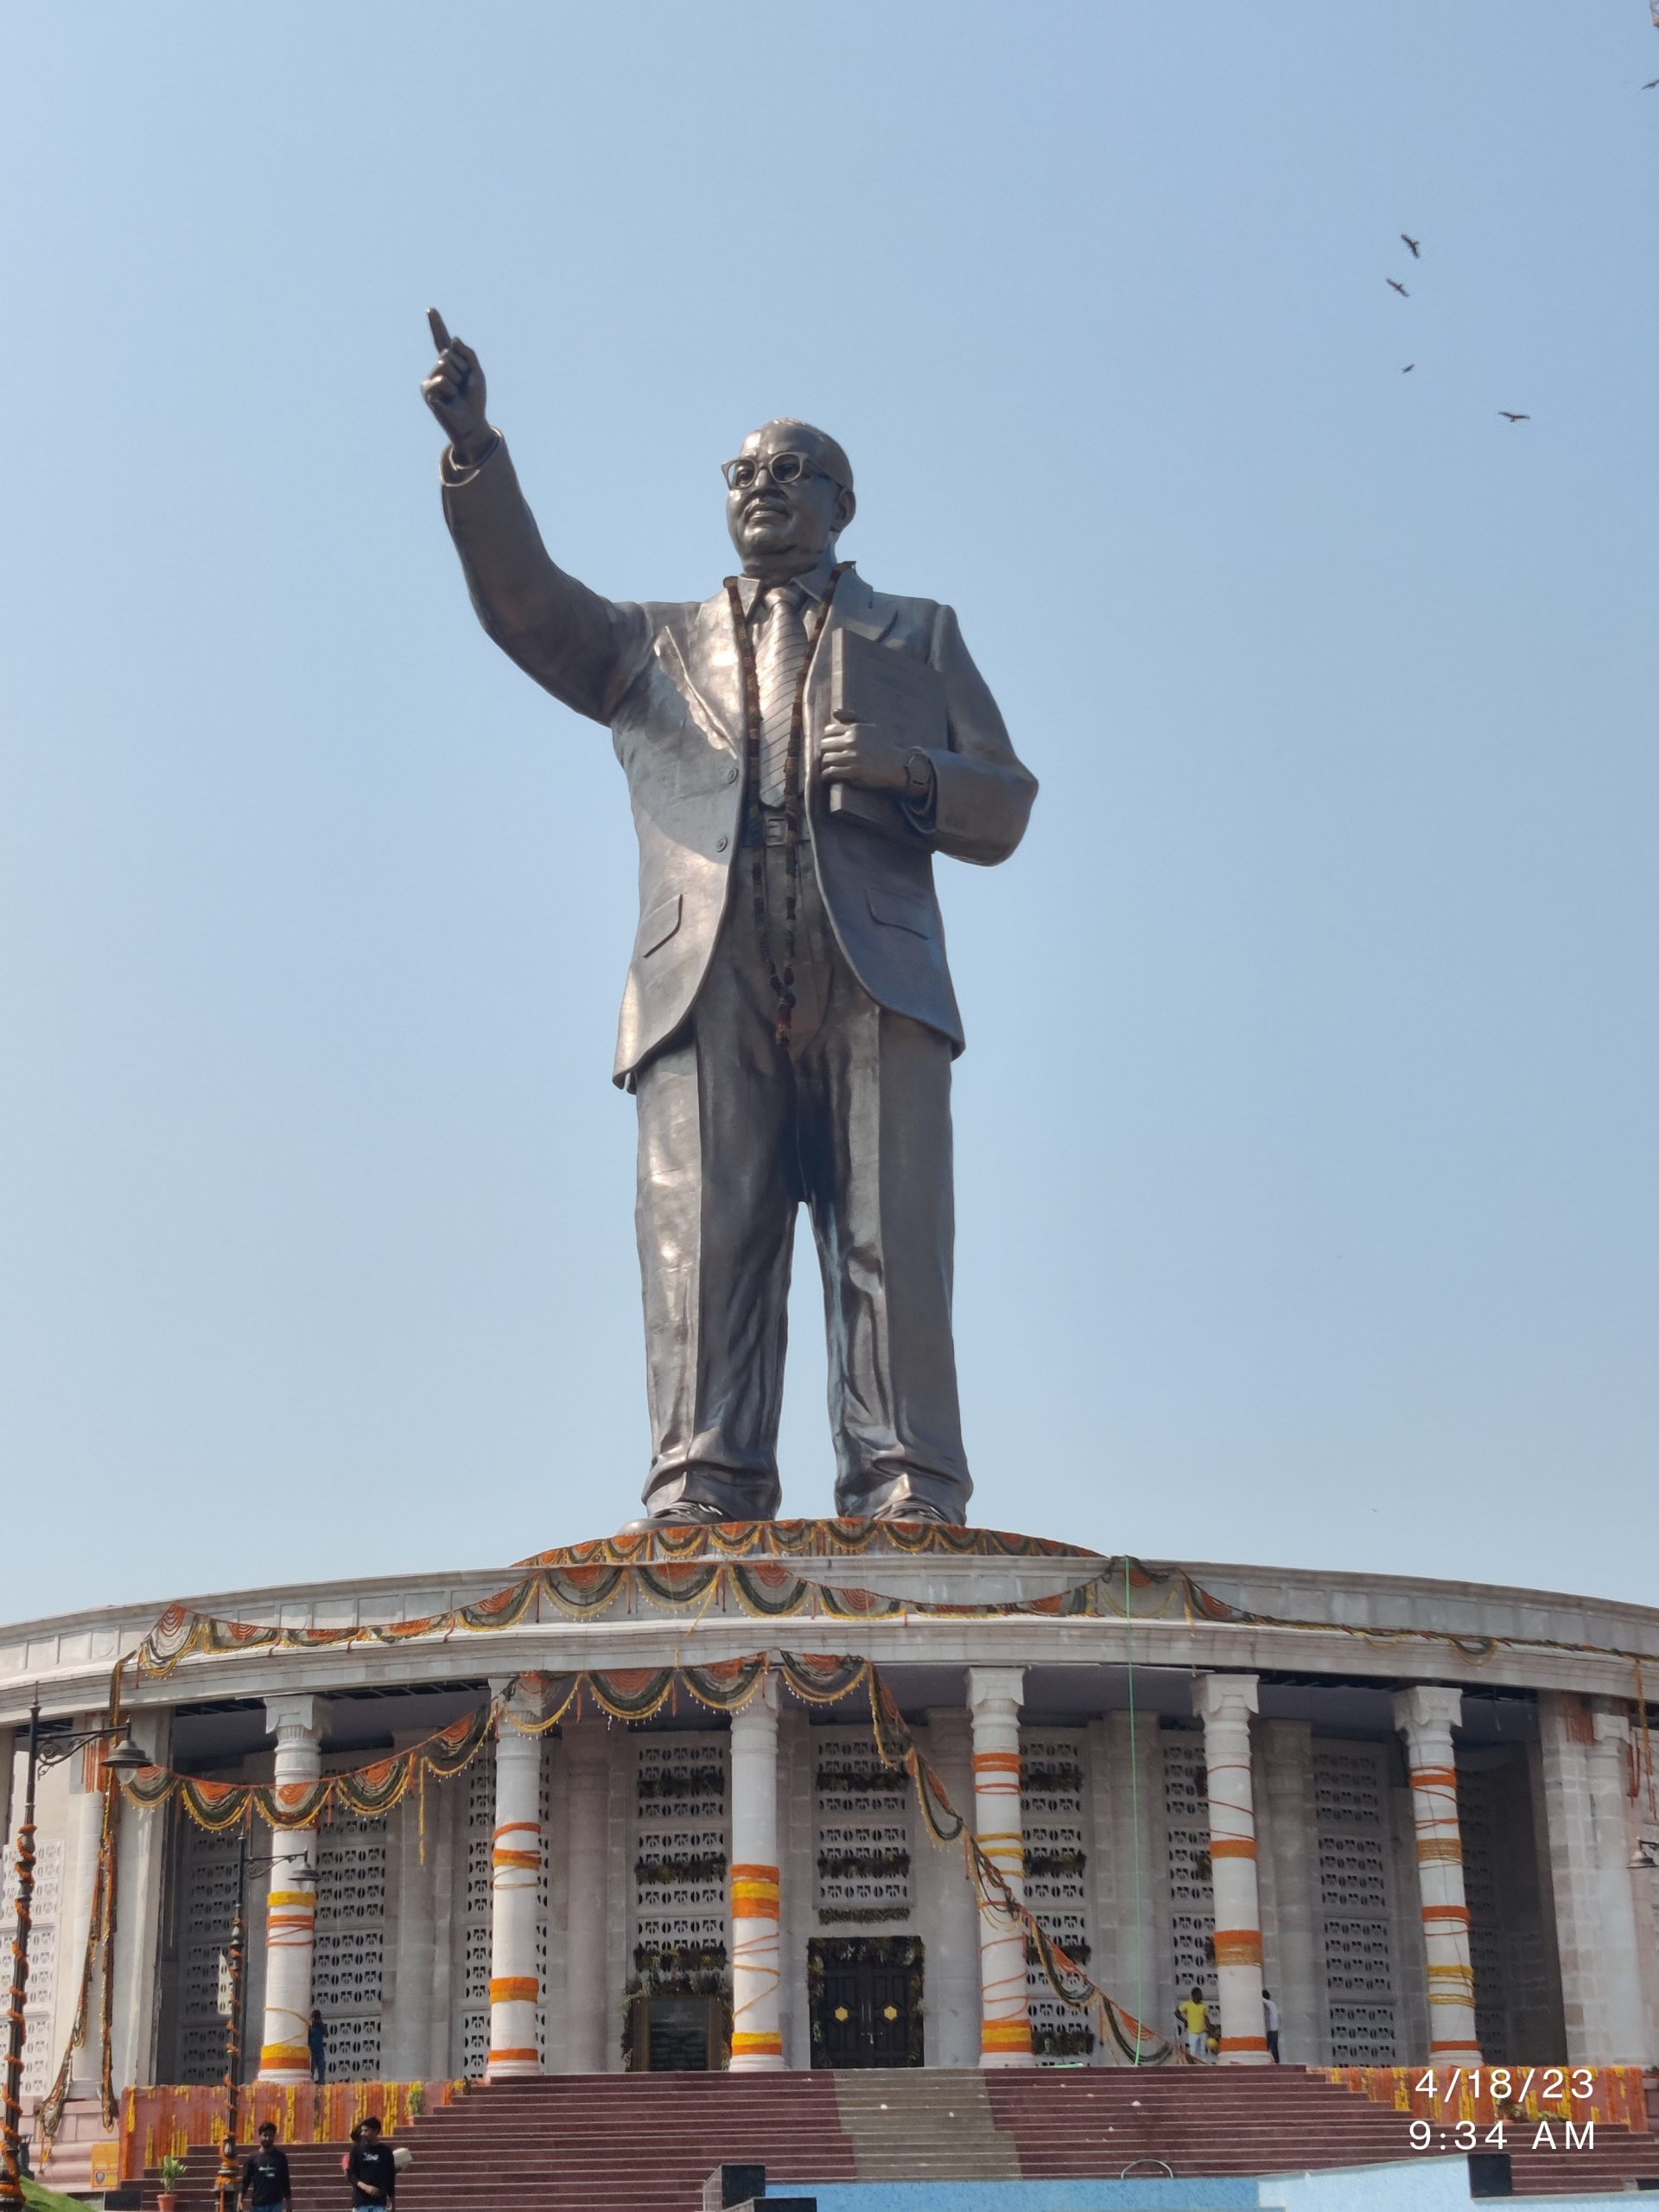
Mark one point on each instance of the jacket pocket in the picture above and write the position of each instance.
(656, 928)
(903, 910)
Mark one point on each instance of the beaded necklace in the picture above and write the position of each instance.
(780, 974)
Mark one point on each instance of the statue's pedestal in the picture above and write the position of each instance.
(919, 1561)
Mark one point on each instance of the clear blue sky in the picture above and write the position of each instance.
(1305, 1134)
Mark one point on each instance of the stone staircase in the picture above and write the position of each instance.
(566, 2143)
(922, 2125)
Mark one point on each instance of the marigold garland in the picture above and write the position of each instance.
(820, 1539)
(1121, 1589)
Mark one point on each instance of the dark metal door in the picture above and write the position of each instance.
(889, 2016)
(864, 2010)
(843, 2010)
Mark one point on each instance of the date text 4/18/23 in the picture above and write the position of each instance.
(1509, 2086)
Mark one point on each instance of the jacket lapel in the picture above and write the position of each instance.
(707, 670)
(854, 609)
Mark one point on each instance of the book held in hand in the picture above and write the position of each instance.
(896, 694)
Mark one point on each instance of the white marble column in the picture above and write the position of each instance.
(1225, 1703)
(291, 1903)
(757, 1964)
(994, 1695)
(796, 1861)
(946, 1917)
(1426, 1716)
(85, 1827)
(1624, 2030)
(1131, 1869)
(417, 1996)
(140, 1860)
(515, 1886)
(587, 1768)
(1293, 1932)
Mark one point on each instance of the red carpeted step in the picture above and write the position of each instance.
(554, 2144)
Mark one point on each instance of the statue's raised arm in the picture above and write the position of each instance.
(581, 647)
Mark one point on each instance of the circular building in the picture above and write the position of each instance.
(843, 1796)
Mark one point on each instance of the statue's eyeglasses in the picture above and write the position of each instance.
(783, 468)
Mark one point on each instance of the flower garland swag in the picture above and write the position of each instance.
(1123, 1589)
(370, 1791)
(533, 1703)
(820, 1539)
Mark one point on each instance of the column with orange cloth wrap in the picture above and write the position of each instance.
(583, 1778)
(993, 1696)
(291, 1905)
(515, 1901)
(1225, 1703)
(757, 1958)
(1426, 1717)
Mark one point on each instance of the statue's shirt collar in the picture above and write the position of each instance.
(814, 583)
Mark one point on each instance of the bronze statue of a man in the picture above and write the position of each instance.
(797, 748)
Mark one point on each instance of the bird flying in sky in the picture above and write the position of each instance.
(1509, 417)
(1395, 285)
(1410, 366)
(1414, 244)
(1652, 85)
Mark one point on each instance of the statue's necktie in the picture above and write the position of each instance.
(779, 654)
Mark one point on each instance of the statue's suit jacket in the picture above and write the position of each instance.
(667, 679)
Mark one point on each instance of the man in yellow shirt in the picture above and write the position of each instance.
(1194, 2016)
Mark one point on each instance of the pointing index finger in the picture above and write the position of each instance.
(439, 329)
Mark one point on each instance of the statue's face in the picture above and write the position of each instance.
(782, 530)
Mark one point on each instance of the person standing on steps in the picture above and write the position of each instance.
(316, 2039)
(1194, 2016)
(265, 2181)
(371, 2167)
(1270, 2023)
(797, 748)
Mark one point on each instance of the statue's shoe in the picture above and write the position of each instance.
(911, 1508)
(687, 1515)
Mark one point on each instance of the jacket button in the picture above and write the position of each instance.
(731, 775)
(721, 843)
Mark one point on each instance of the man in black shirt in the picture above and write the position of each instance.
(264, 2175)
(371, 2167)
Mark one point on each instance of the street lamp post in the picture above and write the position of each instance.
(225, 2179)
(11, 2179)
(123, 1758)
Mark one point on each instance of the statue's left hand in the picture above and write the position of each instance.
(454, 391)
(856, 752)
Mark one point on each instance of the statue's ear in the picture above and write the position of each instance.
(845, 508)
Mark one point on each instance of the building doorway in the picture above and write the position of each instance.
(866, 1997)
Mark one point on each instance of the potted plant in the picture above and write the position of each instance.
(172, 2173)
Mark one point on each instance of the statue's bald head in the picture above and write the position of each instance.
(789, 432)
(784, 529)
